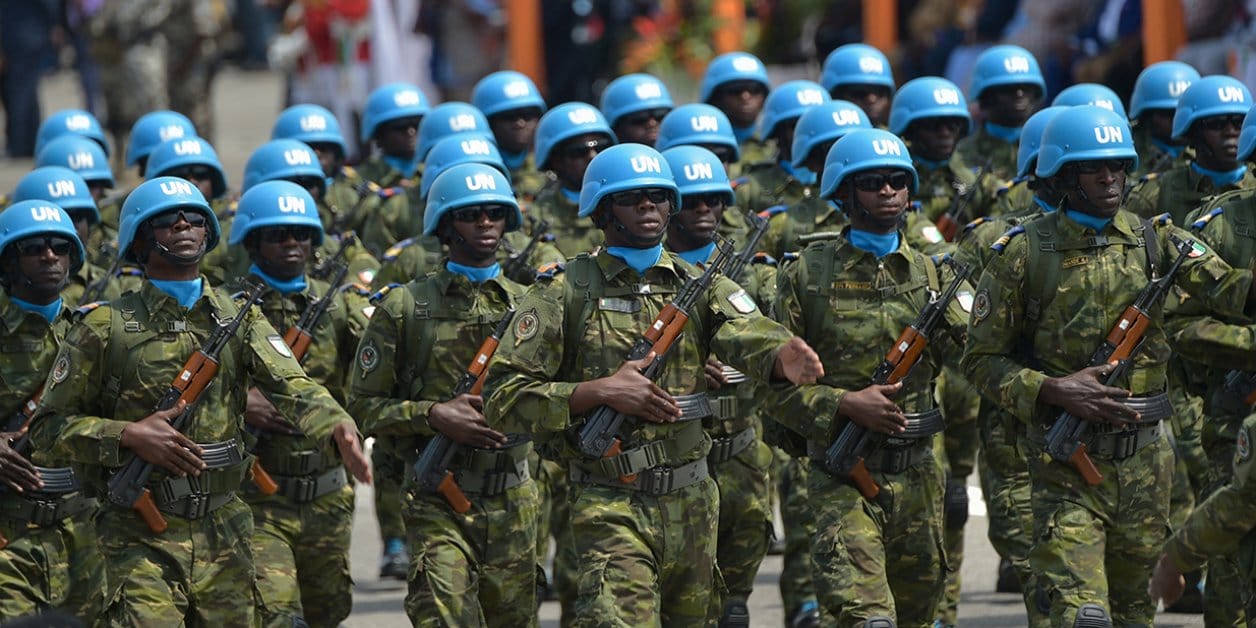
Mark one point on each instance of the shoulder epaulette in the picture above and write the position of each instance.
(914, 206)
(550, 270)
(349, 171)
(229, 211)
(84, 310)
(763, 258)
(367, 187)
(939, 259)
(818, 236)
(742, 180)
(130, 271)
(1004, 239)
(773, 210)
(1162, 220)
(1203, 221)
(396, 249)
(1150, 176)
(973, 225)
(355, 288)
(383, 292)
(387, 193)
(789, 257)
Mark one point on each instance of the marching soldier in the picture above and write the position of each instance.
(567, 139)
(737, 84)
(860, 74)
(1156, 92)
(635, 105)
(513, 106)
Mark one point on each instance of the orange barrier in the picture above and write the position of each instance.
(880, 24)
(1164, 30)
(524, 46)
(731, 17)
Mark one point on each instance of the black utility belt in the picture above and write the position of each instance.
(489, 472)
(303, 489)
(194, 497)
(59, 499)
(1122, 443)
(885, 459)
(654, 481)
(724, 448)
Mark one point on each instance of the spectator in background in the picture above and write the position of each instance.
(468, 43)
(25, 47)
(1110, 50)
(74, 20)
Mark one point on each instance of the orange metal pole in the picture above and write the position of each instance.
(1164, 30)
(526, 52)
(880, 24)
(731, 17)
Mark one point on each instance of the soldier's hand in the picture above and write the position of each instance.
(1166, 583)
(630, 392)
(462, 420)
(798, 363)
(349, 442)
(16, 472)
(713, 370)
(874, 409)
(262, 414)
(155, 440)
(1084, 395)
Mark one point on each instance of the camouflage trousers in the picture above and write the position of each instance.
(884, 556)
(389, 470)
(57, 566)
(1097, 544)
(302, 554)
(644, 560)
(472, 569)
(1223, 590)
(799, 522)
(745, 518)
(959, 401)
(199, 572)
(554, 522)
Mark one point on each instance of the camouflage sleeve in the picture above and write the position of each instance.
(744, 338)
(995, 330)
(1207, 277)
(1144, 198)
(375, 394)
(522, 391)
(1216, 526)
(773, 241)
(1197, 336)
(947, 344)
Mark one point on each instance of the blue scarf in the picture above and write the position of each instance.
(638, 259)
(699, 255)
(930, 164)
(49, 312)
(1174, 150)
(1221, 178)
(514, 161)
(407, 167)
(1009, 134)
(743, 134)
(801, 175)
(327, 182)
(289, 286)
(879, 244)
(1086, 220)
(1047, 208)
(475, 274)
(184, 292)
(569, 195)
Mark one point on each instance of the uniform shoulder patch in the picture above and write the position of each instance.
(1242, 448)
(741, 302)
(550, 270)
(395, 250)
(773, 210)
(368, 356)
(1001, 244)
(1197, 250)
(763, 258)
(276, 342)
(973, 225)
(739, 181)
(1203, 221)
(1162, 220)
(84, 310)
(387, 193)
(526, 326)
(383, 292)
(931, 234)
(981, 306)
(61, 368)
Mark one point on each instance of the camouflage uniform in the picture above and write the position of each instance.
(475, 568)
(979, 148)
(199, 569)
(1177, 192)
(57, 564)
(350, 201)
(884, 556)
(400, 216)
(86, 276)
(1126, 514)
(767, 184)
(527, 180)
(414, 257)
(572, 235)
(1152, 159)
(815, 215)
(645, 556)
(1011, 199)
(753, 151)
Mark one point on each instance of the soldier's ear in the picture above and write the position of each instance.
(601, 214)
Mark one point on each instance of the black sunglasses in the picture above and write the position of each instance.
(402, 124)
(875, 181)
(279, 235)
(514, 115)
(723, 153)
(1221, 123)
(472, 213)
(738, 87)
(642, 118)
(632, 198)
(937, 125)
(35, 247)
(710, 199)
(197, 173)
(581, 149)
(168, 219)
(859, 92)
(1113, 165)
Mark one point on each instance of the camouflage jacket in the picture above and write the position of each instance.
(527, 181)
(940, 186)
(1153, 160)
(1177, 192)
(349, 201)
(572, 234)
(767, 184)
(981, 147)
(27, 351)
(90, 273)
(412, 258)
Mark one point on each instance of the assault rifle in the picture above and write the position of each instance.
(20, 422)
(1241, 384)
(759, 226)
(949, 223)
(96, 288)
(517, 262)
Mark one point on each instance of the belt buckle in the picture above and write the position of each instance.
(494, 483)
(197, 505)
(307, 462)
(659, 481)
(1124, 444)
(304, 489)
(44, 512)
(896, 460)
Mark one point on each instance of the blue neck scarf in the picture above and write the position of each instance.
(637, 259)
(1086, 220)
(49, 312)
(327, 182)
(1165, 147)
(699, 255)
(802, 175)
(569, 195)
(743, 134)
(931, 164)
(407, 167)
(1047, 208)
(1221, 178)
(474, 273)
(514, 161)
(879, 244)
(288, 286)
(184, 292)
(1009, 134)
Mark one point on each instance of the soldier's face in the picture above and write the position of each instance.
(329, 157)
(741, 101)
(98, 189)
(399, 138)
(282, 252)
(82, 224)
(882, 195)
(571, 158)
(1159, 123)
(638, 217)
(1216, 141)
(37, 267)
(697, 221)
(1011, 105)
(935, 138)
(873, 99)
(180, 234)
(515, 129)
(474, 233)
(199, 175)
(785, 138)
(1100, 186)
(640, 127)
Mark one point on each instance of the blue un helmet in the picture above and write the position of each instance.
(698, 171)
(828, 122)
(565, 122)
(168, 158)
(631, 93)
(392, 102)
(698, 124)
(153, 129)
(469, 184)
(1247, 137)
(625, 167)
(1160, 85)
(865, 149)
(733, 66)
(1005, 65)
(1084, 133)
(282, 159)
(79, 154)
(856, 64)
(1216, 95)
(29, 218)
(70, 122)
(62, 186)
(789, 102)
(506, 90)
(1031, 139)
(446, 119)
(460, 149)
(311, 124)
(928, 97)
(158, 196)
(1090, 94)
(275, 204)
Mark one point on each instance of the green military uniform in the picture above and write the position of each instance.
(201, 568)
(400, 216)
(572, 234)
(379, 172)
(301, 533)
(766, 184)
(980, 148)
(527, 180)
(350, 200)
(878, 557)
(86, 276)
(814, 215)
(646, 553)
(1011, 199)
(1177, 192)
(474, 568)
(48, 560)
(753, 151)
(414, 257)
(1018, 319)
(1154, 159)
(941, 185)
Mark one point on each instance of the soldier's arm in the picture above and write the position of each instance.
(375, 393)
(1216, 526)
(1225, 290)
(1144, 197)
(744, 337)
(1197, 335)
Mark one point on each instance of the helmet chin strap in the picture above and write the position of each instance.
(183, 260)
(634, 240)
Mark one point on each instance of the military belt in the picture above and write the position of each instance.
(194, 497)
(45, 508)
(888, 459)
(297, 463)
(723, 449)
(307, 488)
(919, 425)
(726, 406)
(1122, 444)
(651, 454)
(695, 406)
(489, 472)
(489, 483)
(656, 481)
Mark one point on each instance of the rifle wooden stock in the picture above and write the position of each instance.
(298, 340)
(1085, 466)
(862, 479)
(453, 494)
(947, 227)
(947, 223)
(905, 354)
(147, 509)
(266, 485)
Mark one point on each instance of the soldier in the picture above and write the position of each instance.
(71, 122)
(49, 557)
(391, 121)
(301, 532)
(567, 139)
(1152, 105)
(1048, 300)
(634, 105)
(1209, 117)
(195, 160)
(1007, 86)
(514, 107)
(201, 568)
(775, 181)
(473, 567)
(706, 127)
(737, 84)
(640, 521)
(860, 74)
(86, 158)
(1092, 94)
(152, 130)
